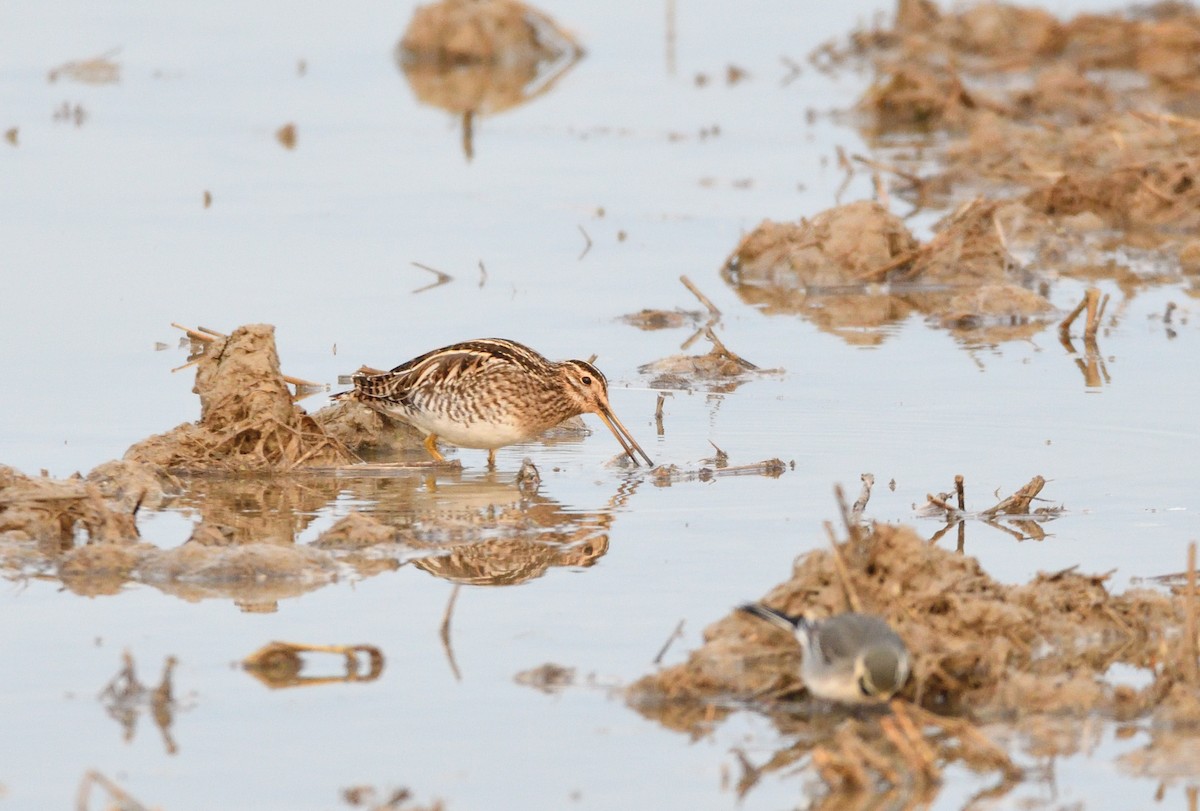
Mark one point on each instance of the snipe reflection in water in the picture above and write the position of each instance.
(479, 529)
(473, 57)
(485, 532)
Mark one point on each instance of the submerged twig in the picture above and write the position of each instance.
(1091, 300)
(724, 350)
(444, 631)
(678, 632)
(588, 246)
(124, 799)
(442, 278)
(712, 308)
(1018, 502)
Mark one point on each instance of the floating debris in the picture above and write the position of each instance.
(549, 678)
(286, 135)
(279, 664)
(481, 57)
(95, 70)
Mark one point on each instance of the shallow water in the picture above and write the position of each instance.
(105, 241)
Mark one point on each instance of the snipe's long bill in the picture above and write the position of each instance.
(489, 393)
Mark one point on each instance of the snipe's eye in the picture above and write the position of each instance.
(587, 381)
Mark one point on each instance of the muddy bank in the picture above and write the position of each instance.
(983, 653)
(1062, 150)
(830, 270)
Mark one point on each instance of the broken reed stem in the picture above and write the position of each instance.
(839, 563)
(887, 167)
(195, 334)
(958, 489)
(1093, 312)
(939, 503)
(881, 192)
(852, 527)
(1018, 502)
(724, 350)
(207, 336)
(678, 632)
(864, 496)
(1064, 326)
(1189, 668)
(712, 308)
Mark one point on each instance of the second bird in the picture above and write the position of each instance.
(489, 393)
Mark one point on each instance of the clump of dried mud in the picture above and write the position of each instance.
(364, 430)
(1091, 114)
(1080, 136)
(982, 651)
(828, 269)
(248, 420)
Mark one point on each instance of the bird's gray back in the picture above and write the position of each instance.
(843, 636)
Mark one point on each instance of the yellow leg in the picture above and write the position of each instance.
(491, 458)
(431, 446)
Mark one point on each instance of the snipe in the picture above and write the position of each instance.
(489, 393)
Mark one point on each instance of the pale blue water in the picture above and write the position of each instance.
(104, 242)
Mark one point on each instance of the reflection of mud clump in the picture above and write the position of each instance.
(247, 418)
(469, 56)
(825, 269)
(51, 511)
(464, 32)
(482, 56)
(991, 650)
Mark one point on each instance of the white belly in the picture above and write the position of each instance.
(488, 435)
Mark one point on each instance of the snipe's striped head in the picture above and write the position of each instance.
(587, 388)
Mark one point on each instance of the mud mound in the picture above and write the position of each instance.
(247, 418)
(135, 484)
(1092, 125)
(980, 647)
(826, 270)
(363, 429)
(837, 247)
